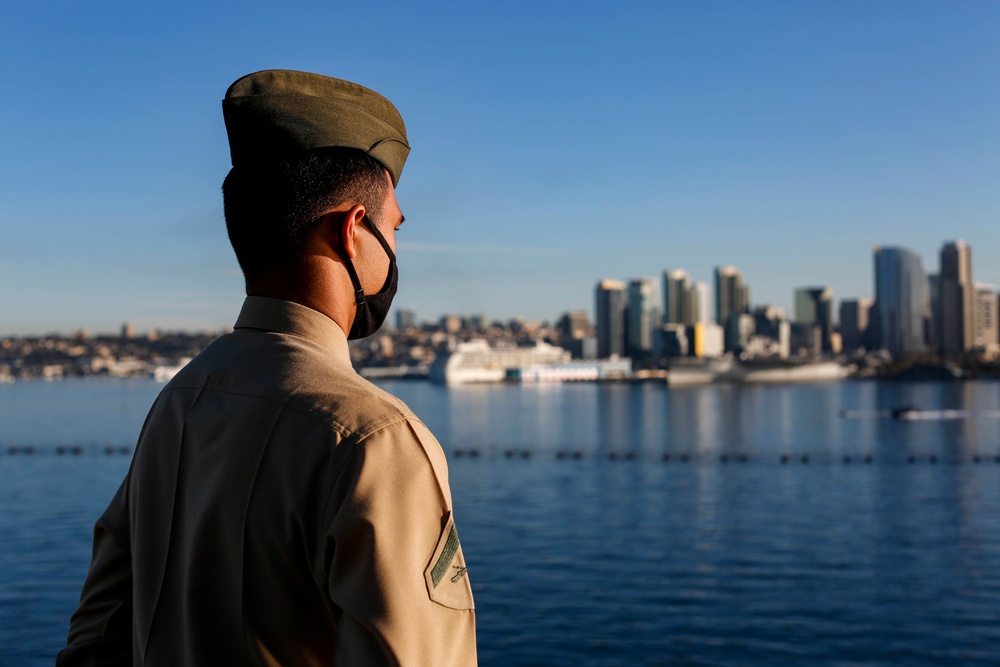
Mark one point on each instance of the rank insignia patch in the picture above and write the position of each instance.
(447, 575)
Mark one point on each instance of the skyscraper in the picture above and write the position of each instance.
(901, 301)
(610, 303)
(854, 314)
(957, 297)
(406, 318)
(731, 295)
(642, 315)
(703, 295)
(814, 306)
(680, 298)
(987, 327)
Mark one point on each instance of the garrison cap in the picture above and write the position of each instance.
(275, 114)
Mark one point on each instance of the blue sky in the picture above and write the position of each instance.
(554, 144)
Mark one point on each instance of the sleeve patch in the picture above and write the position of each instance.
(446, 574)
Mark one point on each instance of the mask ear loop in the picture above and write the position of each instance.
(378, 235)
(359, 292)
(388, 251)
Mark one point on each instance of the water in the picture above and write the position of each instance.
(777, 531)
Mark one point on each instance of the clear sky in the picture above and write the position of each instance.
(554, 144)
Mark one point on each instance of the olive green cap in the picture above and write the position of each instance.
(275, 114)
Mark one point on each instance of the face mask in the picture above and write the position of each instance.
(372, 308)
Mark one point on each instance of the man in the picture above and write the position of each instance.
(280, 510)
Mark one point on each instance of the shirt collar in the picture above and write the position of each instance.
(279, 316)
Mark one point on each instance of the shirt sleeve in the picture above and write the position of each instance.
(100, 631)
(397, 573)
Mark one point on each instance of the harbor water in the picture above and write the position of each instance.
(618, 524)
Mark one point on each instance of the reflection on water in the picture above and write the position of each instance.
(706, 422)
(597, 561)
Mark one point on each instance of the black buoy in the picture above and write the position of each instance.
(975, 458)
(630, 456)
(666, 457)
(560, 454)
(724, 458)
(687, 457)
(868, 458)
(847, 458)
(613, 456)
(932, 458)
(784, 458)
(744, 458)
(525, 453)
(474, 453)
(577, 455)
(911, 458)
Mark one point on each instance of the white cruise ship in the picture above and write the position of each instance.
(476, 361)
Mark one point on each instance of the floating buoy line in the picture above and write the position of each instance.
(724, 458)
(66, 450)
(569, 454)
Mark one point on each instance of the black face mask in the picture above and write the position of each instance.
(372, 308)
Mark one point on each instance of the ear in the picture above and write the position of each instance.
(350, 227)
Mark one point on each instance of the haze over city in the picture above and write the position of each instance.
(553, 145)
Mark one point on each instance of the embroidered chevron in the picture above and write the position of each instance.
(448, 555)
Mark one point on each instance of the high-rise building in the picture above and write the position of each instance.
(854, 315)
(406, 318)
(901, 307)
(957, 296)
(574, 325)
(738, 330)
(576, 334)
(987, 328)
(610, 304)
(703, 295)
(934, 296)
(731, 295)
(814, 306)
(680, 299)
(642, 315)
(766, 319)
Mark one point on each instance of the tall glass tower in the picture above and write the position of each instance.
(901, 301)
(610, 304)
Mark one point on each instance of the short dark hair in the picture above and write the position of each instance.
(271, 208)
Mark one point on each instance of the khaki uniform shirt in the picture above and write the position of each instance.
(279, 510)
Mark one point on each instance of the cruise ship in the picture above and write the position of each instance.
(476, 361)
(755, 371)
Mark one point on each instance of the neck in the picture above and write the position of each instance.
(313, 283)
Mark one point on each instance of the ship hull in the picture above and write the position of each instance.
(737, 373)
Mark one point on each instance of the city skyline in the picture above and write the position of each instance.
(789, 308)
(553, 145)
